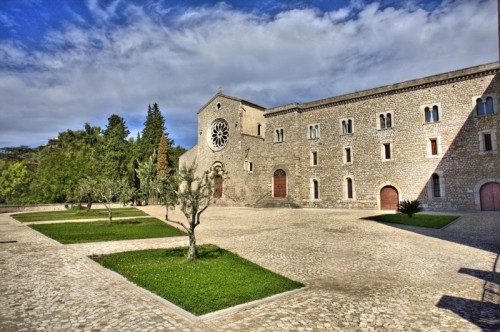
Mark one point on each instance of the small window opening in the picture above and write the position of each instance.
(259, 128)
(387, 151)
(218, 106)
(347, 155)
(314, 156)
(488, 146)
(315, 189)
(436, 190)
(349, 188)
(434, 147)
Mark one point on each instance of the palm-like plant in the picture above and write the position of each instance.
(410, 207)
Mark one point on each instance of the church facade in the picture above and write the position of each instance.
(435, 139)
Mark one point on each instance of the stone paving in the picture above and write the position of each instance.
(361, 275)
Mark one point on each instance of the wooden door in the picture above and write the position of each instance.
(217, 186)
(279, 183)
(490, 196)
(389, 199)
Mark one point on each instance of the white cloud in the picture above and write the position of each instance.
(86, 74)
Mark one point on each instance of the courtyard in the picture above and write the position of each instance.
(360, 275)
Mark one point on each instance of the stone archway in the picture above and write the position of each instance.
(490, 196)
(279, 181)
(389, 198)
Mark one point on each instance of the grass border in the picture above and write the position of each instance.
(432, 221)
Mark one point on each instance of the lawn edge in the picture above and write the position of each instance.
(186, 314)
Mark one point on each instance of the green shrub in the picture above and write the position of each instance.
(410, 207)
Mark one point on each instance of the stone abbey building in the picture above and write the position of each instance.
(435, 139)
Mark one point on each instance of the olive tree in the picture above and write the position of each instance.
(194, 194)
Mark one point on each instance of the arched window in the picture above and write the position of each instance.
(388, 121)
(382, 121)
(344, 127)
(436, 187)
(435, 113)
(428, 115)
(280, 137)
(349, 126)
(315, 189)
(489, 105)
(349, 188)
(480, 106)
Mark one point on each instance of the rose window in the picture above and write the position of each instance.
(218, 134)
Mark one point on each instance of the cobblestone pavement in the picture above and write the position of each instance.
(361, 275)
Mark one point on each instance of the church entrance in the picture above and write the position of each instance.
(217, 186)
(279, 183)
(490, 196)
(389, 199)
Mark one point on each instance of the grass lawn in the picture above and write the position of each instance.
(217, 279)
(73, 214)
(422, 220)
(96, 231)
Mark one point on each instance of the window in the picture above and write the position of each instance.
(488, 141)
(436, 186)
(384, 120)
(386, 151)
(346, 126)
(313, 131)
(280, 136)
(259, 129)
(347, 155)
(349, 188)
(432, 113)
(314, 158)
(250, 167)
(485, 106)
(434, 148)
(315, 189)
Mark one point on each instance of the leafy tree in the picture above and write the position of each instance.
(194, 196)
(106, 190)
(174, 154)
(410, 207)
(146, 172)
(63, 163)
(115, 148)
(84, 191)
(14, 182)
(127, 192)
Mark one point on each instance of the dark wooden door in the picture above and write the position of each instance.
(389, 199)
(490, 197)
(279, 183)
(217, 186)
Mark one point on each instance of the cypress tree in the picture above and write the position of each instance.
(115, 148)
(162, 163)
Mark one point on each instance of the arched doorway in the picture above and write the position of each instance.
(217, 186)
(490, 196)
(279, 183)
(389, 198)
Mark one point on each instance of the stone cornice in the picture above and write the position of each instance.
(418, 84)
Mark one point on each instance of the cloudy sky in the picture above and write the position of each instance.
(67, 62)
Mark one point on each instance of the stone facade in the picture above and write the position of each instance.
(335, 152)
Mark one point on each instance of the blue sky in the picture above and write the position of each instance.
(67, 62)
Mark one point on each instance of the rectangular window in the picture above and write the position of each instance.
(347, 155)
(250, 166)
(314, 158)
(434, 147)
(488, 146)
(387, 150)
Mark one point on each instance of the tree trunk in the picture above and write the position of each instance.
(166, 212)
(192, 246)
(89, 203)
(110, 214)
